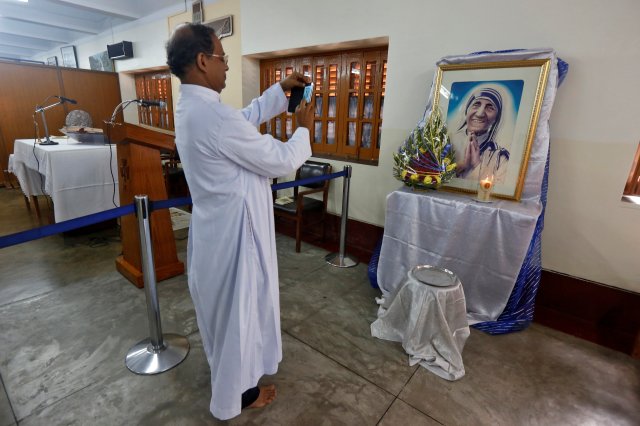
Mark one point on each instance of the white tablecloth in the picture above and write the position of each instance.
(77, 176)
(483, 244)
(430, 322)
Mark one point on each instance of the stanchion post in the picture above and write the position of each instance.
(160, 352)
(342, 259)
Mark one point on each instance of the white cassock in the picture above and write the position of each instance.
(231, 255)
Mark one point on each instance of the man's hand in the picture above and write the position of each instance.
(294, 79)
(304, 114)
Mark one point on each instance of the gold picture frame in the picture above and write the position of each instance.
(491, 110)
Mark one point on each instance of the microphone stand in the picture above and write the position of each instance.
(120, 107)
(41, 110)
(112, 121)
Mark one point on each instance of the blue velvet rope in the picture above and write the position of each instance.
(172, 202)
(68, 225)
(307, 181)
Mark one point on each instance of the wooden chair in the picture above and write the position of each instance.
(302, 204)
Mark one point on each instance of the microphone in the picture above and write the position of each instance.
(150, 102)
(63, 100)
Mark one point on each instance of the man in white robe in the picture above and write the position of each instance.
(231, 255)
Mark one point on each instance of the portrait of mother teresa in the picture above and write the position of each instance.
(475, 142)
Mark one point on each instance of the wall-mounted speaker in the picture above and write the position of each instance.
(122, 50)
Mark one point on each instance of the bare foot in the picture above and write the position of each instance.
(266, 397)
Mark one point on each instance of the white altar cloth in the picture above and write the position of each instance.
(77, 176)
(483, 244)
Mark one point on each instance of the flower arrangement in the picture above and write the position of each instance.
(425, 159)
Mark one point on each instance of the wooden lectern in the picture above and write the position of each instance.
(139, 173)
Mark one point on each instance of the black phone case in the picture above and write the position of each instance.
(295, 98)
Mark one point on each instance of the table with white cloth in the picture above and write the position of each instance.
(484, 244)
(80, 178)
(428, 315)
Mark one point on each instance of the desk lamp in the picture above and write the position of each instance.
(42, 109)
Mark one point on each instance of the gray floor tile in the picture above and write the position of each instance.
(401, 413)
(6, 414)
(305, 296)
(341, 331)
(68, 318)
(313, 390)
(37, 267)
(63, 341)
(535, 377)
(177, 397)
(295, 265)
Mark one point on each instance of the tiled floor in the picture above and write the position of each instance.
(67, 319)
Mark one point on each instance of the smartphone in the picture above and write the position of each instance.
(297, 94)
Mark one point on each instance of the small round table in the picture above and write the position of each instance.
(428, 315)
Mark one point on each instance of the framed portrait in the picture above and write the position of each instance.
(52, 60)
(491, 110)
(69, 56)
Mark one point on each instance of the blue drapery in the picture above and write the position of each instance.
(518, 313)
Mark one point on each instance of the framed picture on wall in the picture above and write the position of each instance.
(52, 60)
(69, 56)
(101, 62)
(491, 110)
(197, 13)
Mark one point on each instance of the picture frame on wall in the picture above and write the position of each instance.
(491, 111)
(101, 62)
(53, 61)
(69, 56)
(197, 15)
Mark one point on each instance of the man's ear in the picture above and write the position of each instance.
(201, 62)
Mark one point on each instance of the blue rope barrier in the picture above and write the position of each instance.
(172, 202)
(307, 181)
(67, 225)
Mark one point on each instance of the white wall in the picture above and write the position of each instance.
(595, 128)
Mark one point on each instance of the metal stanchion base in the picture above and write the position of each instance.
(142, 359)
(345, 261)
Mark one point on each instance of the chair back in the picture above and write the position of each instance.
(314, 169)
(79, 118)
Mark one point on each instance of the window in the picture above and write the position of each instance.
(155, 85)
(349, 90)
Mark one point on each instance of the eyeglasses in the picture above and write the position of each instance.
(223, 58)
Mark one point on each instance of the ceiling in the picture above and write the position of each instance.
(33, 27)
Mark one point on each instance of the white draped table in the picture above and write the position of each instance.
(78, 177)
(483, 244)
(430, 320)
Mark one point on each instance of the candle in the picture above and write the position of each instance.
(484, 189)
